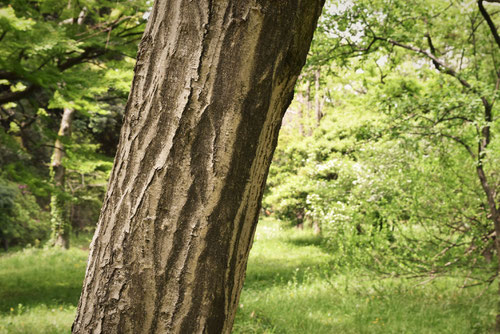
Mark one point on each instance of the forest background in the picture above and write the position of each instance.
(388, 157)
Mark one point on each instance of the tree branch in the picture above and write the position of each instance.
(89, 53)
(440, 65)
(9, 75)
(3, 34)
(454, 138)
(461, 142)
(488, 19)
(433, 49)
(16, 96)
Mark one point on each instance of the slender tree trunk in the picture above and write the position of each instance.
(61, 226)
(489, 192)
(316, 227)
(495, 217)
(308, 96)
(309, 104)
(300, 100)
(60, 222)
(317, 97)
(4, 241)
(212, 82)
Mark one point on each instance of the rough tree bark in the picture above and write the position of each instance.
(61, 227)
(212, 82)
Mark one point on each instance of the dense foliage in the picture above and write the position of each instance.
(400, 168)
(62, 55)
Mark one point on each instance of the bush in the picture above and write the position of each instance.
(22, 221)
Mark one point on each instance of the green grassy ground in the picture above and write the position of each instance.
(291, 287)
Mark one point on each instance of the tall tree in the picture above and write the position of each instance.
(458, 102)
(317, 96)
(212, 82)
(63, 55)
(59, 218)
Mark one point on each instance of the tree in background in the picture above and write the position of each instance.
(454, 97)
(61, 228)
(405, 161)
(59, 57)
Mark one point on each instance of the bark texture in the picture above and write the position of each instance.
(212, 82)
(61, 226)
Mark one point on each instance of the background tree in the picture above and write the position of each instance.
(61, 228)
(57, 56)
(460, 105)
(407, 66)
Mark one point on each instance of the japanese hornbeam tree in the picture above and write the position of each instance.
(212, 82)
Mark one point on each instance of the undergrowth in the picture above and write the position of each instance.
(292, 286)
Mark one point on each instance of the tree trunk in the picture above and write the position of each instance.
(4, 241)
(300, 100)
(317, 97)
(495, 217)
(309, 104)
(61, 227)
(212, 82)
(316, 227)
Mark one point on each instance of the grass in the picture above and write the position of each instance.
(39, 289)
(291, 287)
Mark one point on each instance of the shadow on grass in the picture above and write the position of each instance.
(305, 240)
(52, 296)
(37, 276)
(321, 308)
(266, 272)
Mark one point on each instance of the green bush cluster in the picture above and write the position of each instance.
(22, 221)
(396, 203)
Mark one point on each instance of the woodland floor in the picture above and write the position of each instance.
(291, 287)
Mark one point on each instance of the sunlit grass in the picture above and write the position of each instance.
(38, 319)
(291, 287)
(39, 289)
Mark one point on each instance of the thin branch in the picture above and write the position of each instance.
(89, 53)
(488, 19)
(9, 75)
(497, 87)
(433, 49)
(440, 65)
(16, 96)
(456, 139)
